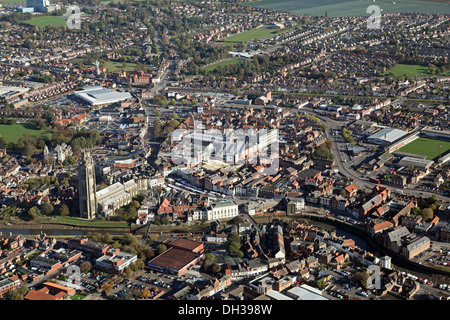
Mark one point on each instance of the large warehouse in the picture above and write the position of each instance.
(415, 162)
(97, 95)
(386, 136)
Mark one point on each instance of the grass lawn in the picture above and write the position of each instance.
(12, 132)
(11, 1)
(427, 147)
(252, 34)
(114, 66)
(43, 21)
(222, 63)
(78, 296)
(411, 70)
(85, 223)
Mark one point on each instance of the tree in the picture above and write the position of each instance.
(130, 239)
(361, 278)
(427, 214)
(209, 259)
(160, 248)
(214, 268)
(415, 211)
(139, 264)
(18, 293)
(107, 287)
(128, 272)
(160, 100)
(64, 210)
(34, 212)
(344, 193)
(47, 208)
(145, 293)
(234, 245)
(135, 204)
(85, 266)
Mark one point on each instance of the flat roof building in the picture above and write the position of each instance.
(386, 136)
(415, 162)
(174, 261)
(97, 95)
(306, 292)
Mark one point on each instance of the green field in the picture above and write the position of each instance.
(411, 70)
(114, 66)
(11, 1)
(12, 132)
(43, 21)
(222, 63)
(252, 34)
(427, 147)
(78, 296)
(85, 223)
(348, 8)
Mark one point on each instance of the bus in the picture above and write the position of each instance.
(374, 180)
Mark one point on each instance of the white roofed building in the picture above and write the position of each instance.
(97, 95)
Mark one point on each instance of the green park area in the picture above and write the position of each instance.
(115, 66)
(411, 70)
(88, 223)
(10, 1)
(212, 67)
(427, 147)
(44, 21)
(252, 34)
(13, 132)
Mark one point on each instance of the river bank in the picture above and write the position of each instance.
(362, 240)
(400, 263)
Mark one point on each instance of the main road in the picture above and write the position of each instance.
(359, 179)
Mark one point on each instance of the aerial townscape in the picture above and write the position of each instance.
(224, 150)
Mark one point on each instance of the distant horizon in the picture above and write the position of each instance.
(349, 8)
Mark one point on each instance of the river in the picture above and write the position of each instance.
(363, 244)
(359, 241)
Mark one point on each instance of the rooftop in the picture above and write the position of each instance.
(97, 95)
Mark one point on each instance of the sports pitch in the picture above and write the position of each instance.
(427, 147)
(44, 21)
(252, 34)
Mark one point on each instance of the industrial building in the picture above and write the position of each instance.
(386, 136)
(98, 96)
(422, 164)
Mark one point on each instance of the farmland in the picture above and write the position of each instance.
(347, 8)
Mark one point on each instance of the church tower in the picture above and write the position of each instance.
(87, 187)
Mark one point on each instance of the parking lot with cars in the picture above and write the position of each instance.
(342, 287)
(157, 285)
